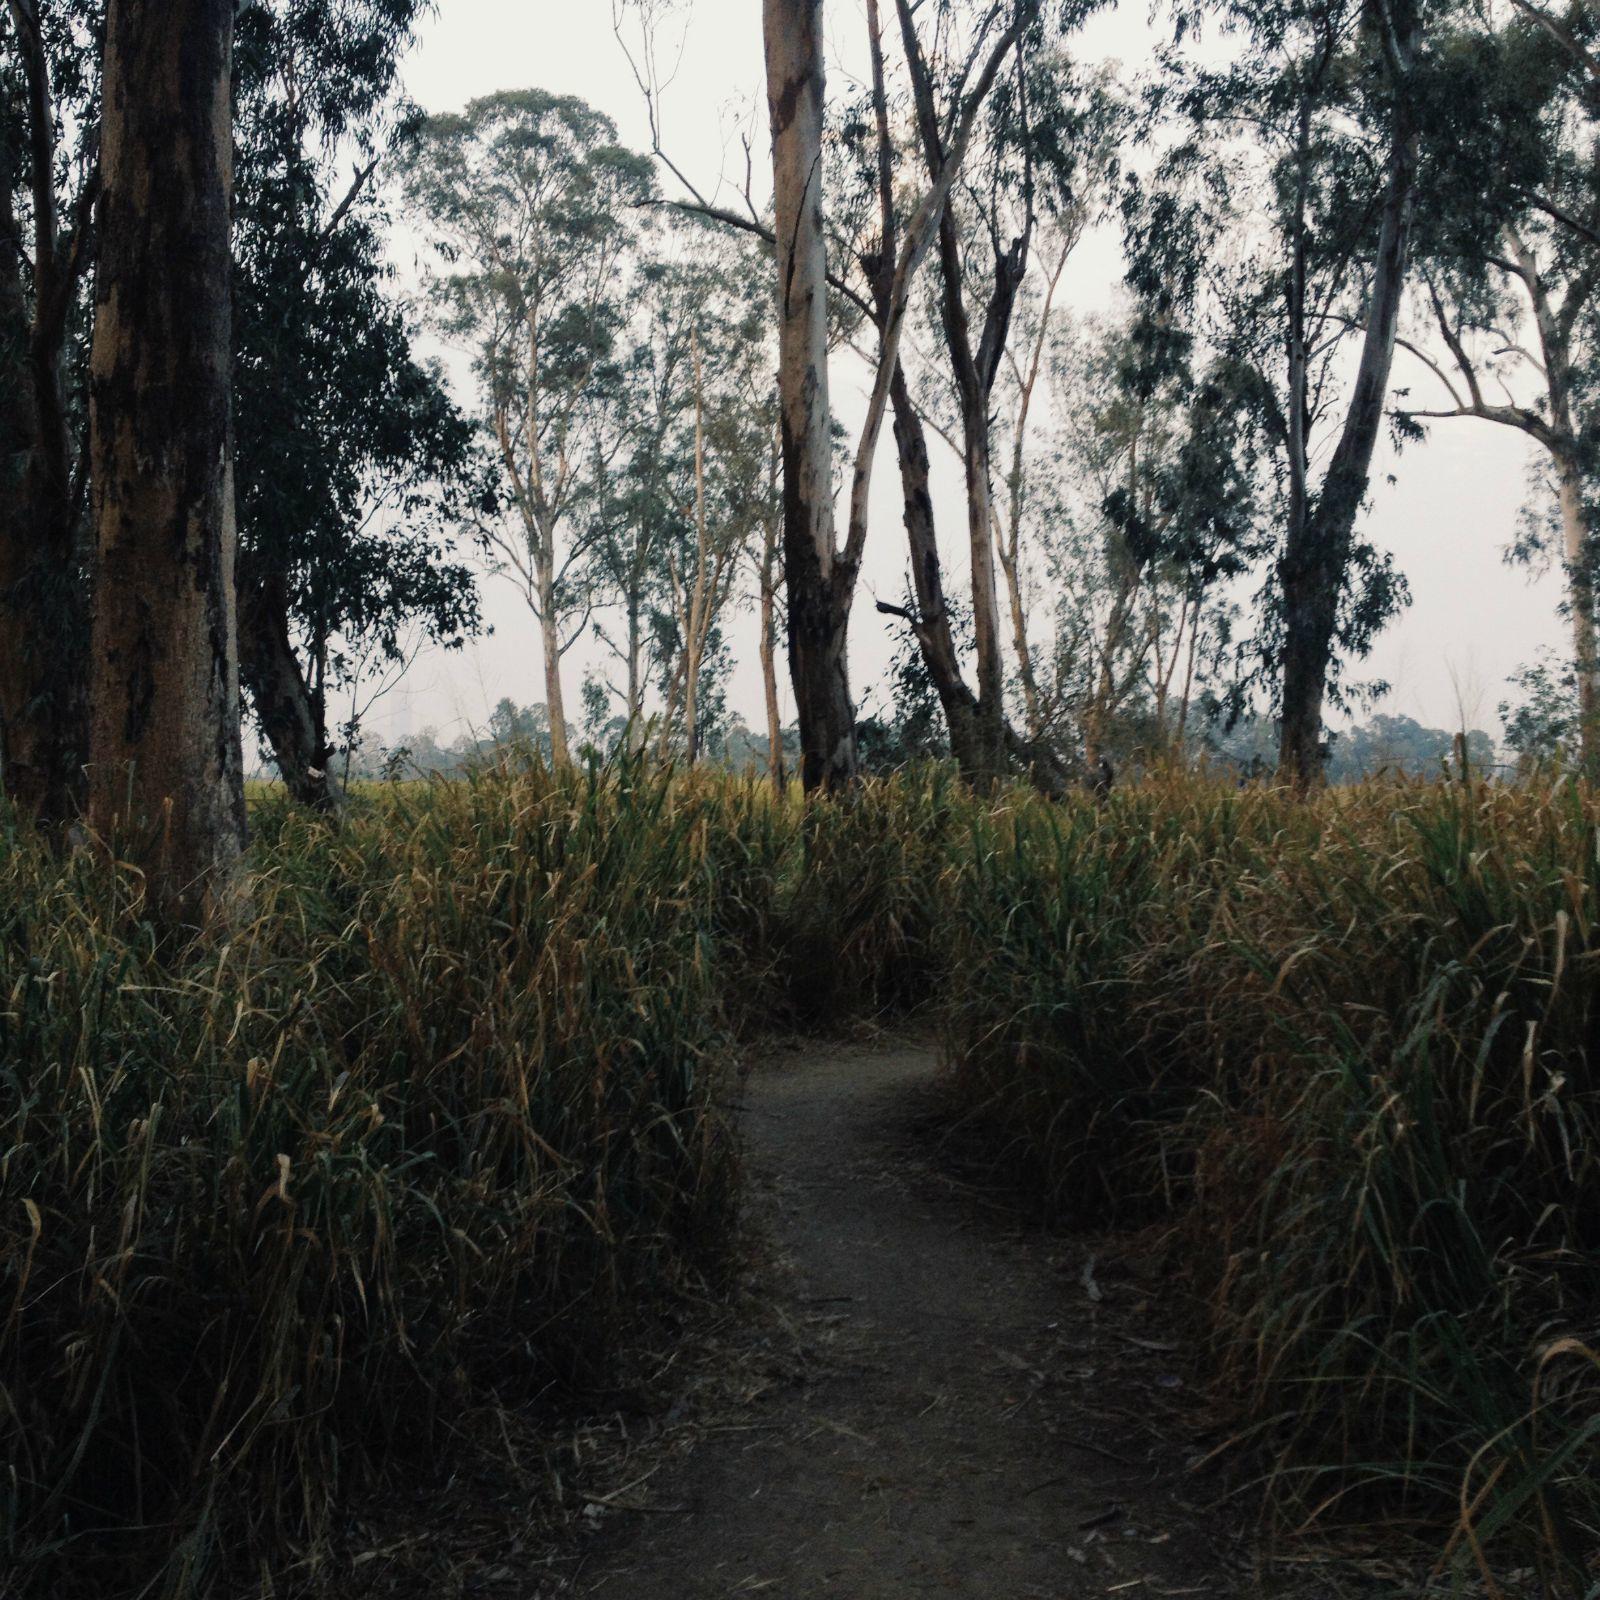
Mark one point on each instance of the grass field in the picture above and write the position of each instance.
(434, 1130)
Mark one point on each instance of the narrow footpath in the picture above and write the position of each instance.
(978, 1411)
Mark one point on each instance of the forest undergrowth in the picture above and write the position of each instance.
(434, 1131)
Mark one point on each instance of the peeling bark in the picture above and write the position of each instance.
(819, 594)
(166, 770)
(973, 370)
(931, 624)
(1579, 558)
(550, 639)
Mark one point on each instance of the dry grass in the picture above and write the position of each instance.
(433, 1133)
(433, 1128)
(1344, 1048)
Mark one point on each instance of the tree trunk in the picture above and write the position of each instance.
(697, 612)
(931, 624)
(1009, 567)
(691, 706)
(1578, 551)
(768, 581)
(550, 638)
(634, 737)
(1560, 436)
(1316, 555)
(166, 768)
(290, 716)
(818, 603)
(973, 373)
(43, 616)
(769, 676)
(976, 723)
(985, 600)
(26, 760)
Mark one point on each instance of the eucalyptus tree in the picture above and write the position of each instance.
(1575, 28)
(685, 493)
(1022, 502)
(49, 184)
(535, 205)
(1511, 262)
(637, 491)
(733, 424)
(1151, 509)
(166, 772)
(349, 458)
(767, 574)
(354, 466)
(820, 575)
(1041, 171)
(1286, 212)
(1026, 170)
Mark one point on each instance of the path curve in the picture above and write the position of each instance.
(932, 1447)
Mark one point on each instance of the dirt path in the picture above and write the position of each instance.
(940, 1438)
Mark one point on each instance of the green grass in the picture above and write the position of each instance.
(433, 1132)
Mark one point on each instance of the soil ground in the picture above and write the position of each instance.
(955, 1403)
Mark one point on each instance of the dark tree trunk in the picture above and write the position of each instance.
(1316, 555)
(931, 624)
(166, 772)
(819, 589)
(290, 715)
(973, 372)
(43, 615)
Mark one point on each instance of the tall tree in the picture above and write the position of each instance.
(768, 574)
(49, 163)
(353, 463)
(536, 203)
(166, 769)
(1511, 260)
(1314, 568)
(1039, 167)
(347, 448)
(688, 486)
(1327, 92)
(1152, 507)
(820, 577)
(974, 356)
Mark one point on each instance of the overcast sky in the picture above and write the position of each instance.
(1447, 517)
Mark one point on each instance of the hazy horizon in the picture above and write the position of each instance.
(1448, 514)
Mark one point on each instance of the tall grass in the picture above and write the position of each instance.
(1346, 1049)
(434, 1131)
(428, 1133)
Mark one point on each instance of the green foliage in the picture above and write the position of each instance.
(1541, 721)
(1257, 232)
(352, 462)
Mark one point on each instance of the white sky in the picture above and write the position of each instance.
(1448, 516)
